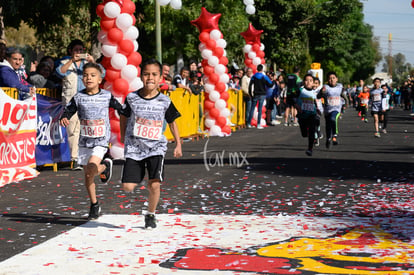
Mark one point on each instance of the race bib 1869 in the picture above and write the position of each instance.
(93, 128)
(148, 129)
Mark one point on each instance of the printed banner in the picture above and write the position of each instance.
(51, 140)
(17, 139)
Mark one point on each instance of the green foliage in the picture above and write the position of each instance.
(401, 69)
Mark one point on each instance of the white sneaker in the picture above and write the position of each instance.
(275, 122)
(260, 127)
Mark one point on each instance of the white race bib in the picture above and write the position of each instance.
(148, 129)
(376, 97)
(334, 100)
(94, 128)
(308, 105)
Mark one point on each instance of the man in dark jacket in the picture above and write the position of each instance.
(257, 90)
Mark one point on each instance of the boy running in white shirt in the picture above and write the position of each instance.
(92, 105)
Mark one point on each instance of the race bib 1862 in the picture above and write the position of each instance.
(93, 128)
(148, 129)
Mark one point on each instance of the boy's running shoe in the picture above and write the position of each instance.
(309, 152)
(366, 120)
(317, 142)
(94, 211)
(150, 221)
(377, 134)
(328, 143)
(107, 173)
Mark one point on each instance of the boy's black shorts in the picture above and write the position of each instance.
(134, 171)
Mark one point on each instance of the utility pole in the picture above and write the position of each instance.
(158, 31)
(390, 55)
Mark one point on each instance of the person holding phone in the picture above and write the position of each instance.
(70, 70)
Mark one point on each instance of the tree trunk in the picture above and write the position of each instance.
(2, 33)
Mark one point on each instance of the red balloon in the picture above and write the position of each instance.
(134, 20)
(221, 121)
(107, 24)
(214, 113)
(213, 78)
(128, 7)
(224, 60)
(256, 47)
(263, 61)
(208, 70)
(211, 44)
(204, 37)
(99, 10)
(412, 4)
(204, 63)
(120, 86)
(251, 35)
(218, 52)
(115, 127)
(139, 71)
(126, 47)
(134, 58)
(220, 87)
(106, 62)
(208, 104)
(260, 54)
(225, 96)
(206, 21)
(226, 129)
(111, 74)
(115, 35)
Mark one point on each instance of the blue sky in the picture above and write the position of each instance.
(396, 17)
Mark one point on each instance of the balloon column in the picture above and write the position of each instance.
(254, 55)
(215, 69)
(121, 60)
(253, 50)
(250, 9)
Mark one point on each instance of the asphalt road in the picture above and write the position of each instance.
(252, 172)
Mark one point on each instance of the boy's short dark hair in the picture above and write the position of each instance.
(93, 65)
(151, 61)
(309, 75)
(331, 73)
(260, 67)
(375, 79)
(13, 50)
(74, 43)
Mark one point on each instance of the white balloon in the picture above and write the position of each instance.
(124, 21)
(201, 47)
(136, 84)
(209, 122)
(206, 53)
(215, 131)
(118, 61)
(251, 54)
(224, 78)
(225, 112)
(129, 72)
(221, 43)
(262, 46)
(220, 104)
(131, 33)
(247, 48)
(102, 36)
(224, 53)
(214, 96)
(220, 69)
(117, 152)
(112, 9)
(215, 34)
(248, 2)
(176, 4)
(250, 9)
(256, 61)
(136, 46)
(209, 87)
(163, 2)
(213, 61)
(109, 50)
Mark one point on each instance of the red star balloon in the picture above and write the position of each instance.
(251, 35)
(412, 3)
(207, 21)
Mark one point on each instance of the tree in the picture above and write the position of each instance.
(400, 68)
